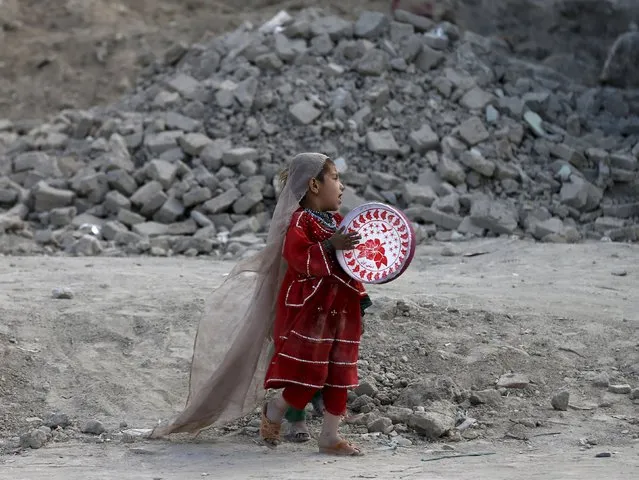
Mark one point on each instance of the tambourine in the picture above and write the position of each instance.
(387, 244)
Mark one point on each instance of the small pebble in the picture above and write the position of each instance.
(62, 293)
(603, 455)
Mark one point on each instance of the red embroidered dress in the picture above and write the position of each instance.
(318, 320)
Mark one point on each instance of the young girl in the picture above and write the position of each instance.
(292, 299)
(318, 321)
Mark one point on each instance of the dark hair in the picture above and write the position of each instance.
(320, 176)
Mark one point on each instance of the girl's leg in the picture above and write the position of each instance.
(292, 396)
(335, 407)
(298, 432)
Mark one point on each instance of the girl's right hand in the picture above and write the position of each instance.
(345, 241)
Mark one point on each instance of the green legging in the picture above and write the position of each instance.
(293, 415)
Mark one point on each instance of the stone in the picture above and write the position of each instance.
(86, 246)
(195, 196)
(560, 401)
(170, 211)
(246, 202)
(47, 198)
(476, 99)
(150, 229)
(424, 139)
(35, 439)
(129, 218)
(381, 425)
(304, 112)
(194, 143)
(373, 63)
(223, 201)
(620, 389)
(114, 201)
(474, 160)
(60, 217)
(513, 381)
(423, 214)
(432, 425)
(421, 23)
(371, 25)
(428, 58)
(552, 226)
(93, 427)
(495, 216)
(162, 142)
(367, 387)
(57, 420)
(162, 171)
(235, 156)
(146, 193)
(451, 171)
(335, 27)
(382, 143)
(473, 131)
(184, 84)
(62, 293)
(601, 380)
(485, 397)
(121, 181)
(399, 414)
(420, 194)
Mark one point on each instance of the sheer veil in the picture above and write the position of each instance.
(233, 345)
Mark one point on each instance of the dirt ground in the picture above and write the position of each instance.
(119, 352)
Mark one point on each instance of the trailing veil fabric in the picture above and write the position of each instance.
(233, 345)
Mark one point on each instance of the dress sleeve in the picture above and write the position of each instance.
(305, 256)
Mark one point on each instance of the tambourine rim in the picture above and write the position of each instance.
(411, 249)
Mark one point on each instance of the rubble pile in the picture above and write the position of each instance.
(448, 125)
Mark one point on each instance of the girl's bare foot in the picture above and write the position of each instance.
(339, 446)
(298, 432)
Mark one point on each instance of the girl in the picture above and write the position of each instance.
(233, 343)
(318, 318)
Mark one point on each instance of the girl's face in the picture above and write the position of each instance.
(327, 193)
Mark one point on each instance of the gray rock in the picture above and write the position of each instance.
(561, 401)
(47, 198)
(399, 414)
(62, 293)
(194, 143)
(150, 229)
(486, 397)
(304, 113)
(373, 63)
(234, 157)
(162, 171)
(93, 427)
(451, 171)
(620, 389)
(57, 420)
(420, 194)
(170, 211)
(476, 99)
(422, 214)
(495, 216)
(513, 380)
(367, 387)
(222, 202)
(382, 143)
(424, 139)
(421, 23)
(428, 58)
(60, 217)
(371, 25)
(35, 439)
(86, 246)
(381, 425)
(473, 131)
(474, 160)
(432, 425)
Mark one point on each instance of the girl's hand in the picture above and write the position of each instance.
(344, 241)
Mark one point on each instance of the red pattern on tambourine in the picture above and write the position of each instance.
(387, 245)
